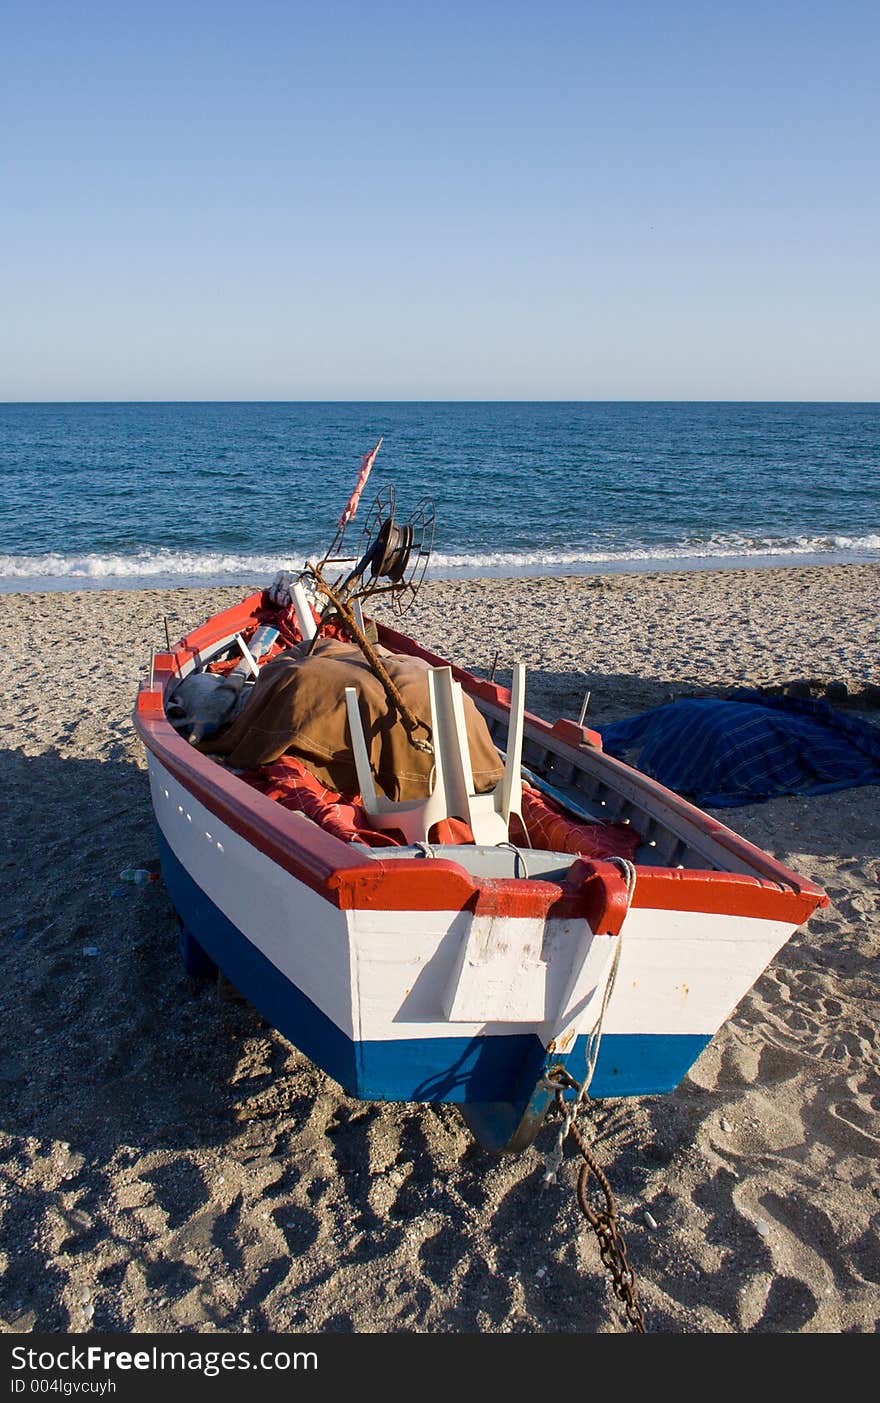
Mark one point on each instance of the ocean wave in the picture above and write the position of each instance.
(143, 565)
(716, 547)
(57, 570)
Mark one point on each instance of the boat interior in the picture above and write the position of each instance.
(563, 762)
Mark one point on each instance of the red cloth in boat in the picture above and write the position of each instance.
(297, 707)
(550, 827)
(291, 784)
(289, 635)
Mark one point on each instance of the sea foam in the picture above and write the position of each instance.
(145, 568)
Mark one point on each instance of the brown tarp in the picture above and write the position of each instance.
(297, 707)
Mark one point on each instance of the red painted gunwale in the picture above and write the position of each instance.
(347, 881)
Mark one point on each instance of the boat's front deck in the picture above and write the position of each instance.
(479, 860)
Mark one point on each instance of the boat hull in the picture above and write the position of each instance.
(330, 981)
(453, 1068)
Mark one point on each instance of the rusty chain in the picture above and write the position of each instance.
(604, 1221)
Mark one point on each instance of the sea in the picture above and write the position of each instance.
(118, 496)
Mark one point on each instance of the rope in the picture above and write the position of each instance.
(554, 1158)
(519, 859)
(411, 722)
(603, 1221)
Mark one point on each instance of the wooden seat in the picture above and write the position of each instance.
(453, 796)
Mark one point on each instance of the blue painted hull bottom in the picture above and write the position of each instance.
(499, 1073)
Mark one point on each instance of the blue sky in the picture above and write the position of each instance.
(455, 201)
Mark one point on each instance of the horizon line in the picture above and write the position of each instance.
(17, 403)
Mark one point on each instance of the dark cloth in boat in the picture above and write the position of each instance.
(297, 707)
(748, 748)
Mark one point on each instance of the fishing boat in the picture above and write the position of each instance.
(536, 910)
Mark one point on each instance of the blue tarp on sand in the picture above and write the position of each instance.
(752, 747)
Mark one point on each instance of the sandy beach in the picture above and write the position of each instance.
(169, 1163)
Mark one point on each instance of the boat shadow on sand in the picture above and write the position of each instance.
(107, 1041)
(160, 1125)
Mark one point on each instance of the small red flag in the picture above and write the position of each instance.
(366, 464)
